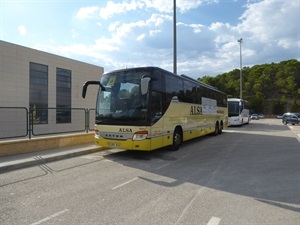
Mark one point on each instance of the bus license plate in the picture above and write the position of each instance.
(112, 144)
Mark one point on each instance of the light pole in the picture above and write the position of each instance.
(174, 39)
(241, 87)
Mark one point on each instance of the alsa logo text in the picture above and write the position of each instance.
(125, 130)
(195, 110)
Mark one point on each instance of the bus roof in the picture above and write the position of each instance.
(234, 99)
(197, 81)
(133, 68)
(184, 77)
(237, 100)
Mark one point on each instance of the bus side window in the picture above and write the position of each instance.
(174, 87)
(241, 106)
(156, 106)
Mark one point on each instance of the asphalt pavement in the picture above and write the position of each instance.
(13, 162)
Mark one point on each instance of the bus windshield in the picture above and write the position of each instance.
(233, 109)
(121, 102)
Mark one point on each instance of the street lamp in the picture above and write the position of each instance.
(174, 39)
(241, 91)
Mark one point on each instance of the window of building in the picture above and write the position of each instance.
(63, 95)
(38, 94)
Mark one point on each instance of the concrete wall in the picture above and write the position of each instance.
(14, 76)
(14, 87)
(14, 147)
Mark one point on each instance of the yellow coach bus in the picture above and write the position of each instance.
(148, 108)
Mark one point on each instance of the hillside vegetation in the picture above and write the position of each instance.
(271, 89)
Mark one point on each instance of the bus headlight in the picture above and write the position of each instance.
(140, 135)
(97, 133)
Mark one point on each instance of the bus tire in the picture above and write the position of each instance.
(217, 129)
(177, 139)
(241, 123)
(220, 128)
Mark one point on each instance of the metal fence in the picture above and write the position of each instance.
(17, 122)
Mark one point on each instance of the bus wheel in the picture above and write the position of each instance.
(217, 129)
(241, 123)
(220, 128)
(177, 139)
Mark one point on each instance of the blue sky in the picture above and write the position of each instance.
(130, 33)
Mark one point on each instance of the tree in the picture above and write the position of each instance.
(257, 102)
(278, 107)
(295, 107)
(271, 88)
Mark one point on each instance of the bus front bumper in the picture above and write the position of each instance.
(234, 122)
(129, 144)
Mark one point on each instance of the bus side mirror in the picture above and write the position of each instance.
(87, 84)
(145, 85)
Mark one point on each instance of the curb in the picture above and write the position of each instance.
(37, 159)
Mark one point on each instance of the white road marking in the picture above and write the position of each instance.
(295, 131)
(214, 221)
(50, 217)
(230, 131)
(92, 156)
(158, 168)
(127, 182)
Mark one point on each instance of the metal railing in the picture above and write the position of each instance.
(21, 122)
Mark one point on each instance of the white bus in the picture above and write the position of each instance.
(148, 108)
(238, 112)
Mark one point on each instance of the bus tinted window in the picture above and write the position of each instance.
(157, 81)
(174, 87)
(190, 92)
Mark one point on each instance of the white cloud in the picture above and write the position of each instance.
(127, 29)
(125, 33)
(105, 44)
(271, 18)
(161, 6)
(269, 29)
(113, 26)
(158, 19)
(182, 6)
(87, 12)
(140, 37)
(285, 43)
(22, 30)
(74, 33)
(196, 27)
(153, 32)
(117, 8)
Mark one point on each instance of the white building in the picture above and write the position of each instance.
(38, 80)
